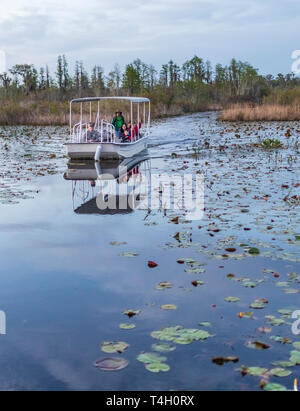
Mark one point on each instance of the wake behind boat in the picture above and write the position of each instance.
(105, 140)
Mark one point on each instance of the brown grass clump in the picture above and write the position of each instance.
(263, 112)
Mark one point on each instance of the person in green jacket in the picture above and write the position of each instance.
(118, 122)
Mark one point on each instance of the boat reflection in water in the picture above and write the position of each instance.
(110, 187)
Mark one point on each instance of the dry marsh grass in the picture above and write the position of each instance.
(42, 112)
(263, 112)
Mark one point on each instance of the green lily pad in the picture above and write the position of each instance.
(295, 357)
(256, 371)
(169, 307)
(275, 321)
(114, 347)
(285, 312)
(127, 326)
(282, 284)
(254, 251)
(183, 340)
(129, 255)
(274, 387)
(205, 324)
(280, 372)
(157, 367)
(150, 358)
(232, 299)
(258, 304)
(283, 364)
(163, 347)
(291, 291)
(297, 345)
(181, 335)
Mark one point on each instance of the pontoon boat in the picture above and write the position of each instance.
(109, 145)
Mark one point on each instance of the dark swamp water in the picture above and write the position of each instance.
(68, 274)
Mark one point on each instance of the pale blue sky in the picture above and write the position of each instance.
(263, 32)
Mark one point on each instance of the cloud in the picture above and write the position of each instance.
(105, 32)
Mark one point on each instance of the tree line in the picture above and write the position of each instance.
(195, 80)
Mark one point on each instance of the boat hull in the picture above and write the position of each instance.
(87, 151)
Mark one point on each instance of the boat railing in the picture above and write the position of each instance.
(80, 133)
(107, 132)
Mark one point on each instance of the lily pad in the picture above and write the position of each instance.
(111, 364)
(114, 347)
(280, 372)
(274, 387)
(181, 335)
(169, 307)
(254, 251)
(150, 358)
(295, 357)
(258, 304)
(163, 347)
(257, 371)
(205, 324)
(283, 364)
(127, 326)
(129, 255)
(158, 367)
(232, 299)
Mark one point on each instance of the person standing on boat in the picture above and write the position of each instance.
(118, 122)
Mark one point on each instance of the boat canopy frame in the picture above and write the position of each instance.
(132, 100)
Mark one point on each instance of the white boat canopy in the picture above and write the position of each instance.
(91, 99)
(79, 130)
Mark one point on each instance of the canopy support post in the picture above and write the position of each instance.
(131, 117)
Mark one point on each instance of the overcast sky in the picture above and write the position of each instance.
(104, 32)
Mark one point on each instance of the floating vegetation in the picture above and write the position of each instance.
(114, 347)
(127, 326)
(249, 234)
(270, 144)
(257, 345)
(129, 255)
(154, 362)
(132, 313)
(163, 347)
(163, 285)
(169, 307)
(224, 360)
(232, 299)
(111, 364)
(180, 335)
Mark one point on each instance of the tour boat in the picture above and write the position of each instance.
(108, 145)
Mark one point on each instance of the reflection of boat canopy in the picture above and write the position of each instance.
(91, 207)
(108, 138)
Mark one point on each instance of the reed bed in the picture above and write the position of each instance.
(44, 112)
(263, 112)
